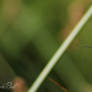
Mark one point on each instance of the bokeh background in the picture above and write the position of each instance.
(30, 33)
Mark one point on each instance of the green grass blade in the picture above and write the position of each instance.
(60, 51)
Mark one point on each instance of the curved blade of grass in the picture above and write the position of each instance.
(60, 51)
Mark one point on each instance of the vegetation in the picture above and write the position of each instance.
(30, 33)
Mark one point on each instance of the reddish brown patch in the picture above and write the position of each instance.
(19, 85)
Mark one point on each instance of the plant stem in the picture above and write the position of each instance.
(60, 51)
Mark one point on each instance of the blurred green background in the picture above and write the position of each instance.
(30, 33)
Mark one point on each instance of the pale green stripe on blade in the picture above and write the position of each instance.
(60, 51)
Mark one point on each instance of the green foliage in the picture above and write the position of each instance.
(29, 38)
